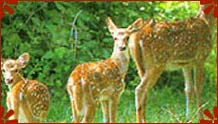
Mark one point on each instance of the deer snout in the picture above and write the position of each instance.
(9, 80)
(122, 48)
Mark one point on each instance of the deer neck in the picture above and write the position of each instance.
(18, 79)
(122, 59)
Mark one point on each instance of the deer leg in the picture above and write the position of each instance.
(76, 117)
(14, 105)
(90, 112)
(9, 104)
(90, 104)
(113, 108)
(105, 110)
(199, 82)
(136, 52)
(147, 82)
(187, 71)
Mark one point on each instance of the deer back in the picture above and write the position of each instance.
(178, 43)
(97, 75)
(103, 71)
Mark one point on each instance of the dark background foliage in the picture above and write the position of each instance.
(45, 31)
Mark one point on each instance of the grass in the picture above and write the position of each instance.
(164, 105)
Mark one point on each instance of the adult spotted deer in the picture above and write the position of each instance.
(160, 46)
(101, 81)
(28, 98)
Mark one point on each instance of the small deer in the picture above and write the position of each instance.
(160, 46)
(28, 98)
(102, 81)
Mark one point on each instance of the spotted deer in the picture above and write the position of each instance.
(160, 46)
(28, 98)
(102, 81)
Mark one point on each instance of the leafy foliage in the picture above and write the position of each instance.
(45, 31)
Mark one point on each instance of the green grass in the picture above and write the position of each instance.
(165, 104)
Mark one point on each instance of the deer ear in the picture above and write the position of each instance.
(23, 60)
(110, 24)
(135, 26)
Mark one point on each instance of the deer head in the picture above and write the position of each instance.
(11, 68)
(121, 35)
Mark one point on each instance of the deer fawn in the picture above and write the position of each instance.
(168, 46)
(28, 98)
(101, 81)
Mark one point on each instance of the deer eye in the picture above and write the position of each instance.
(115, 38)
